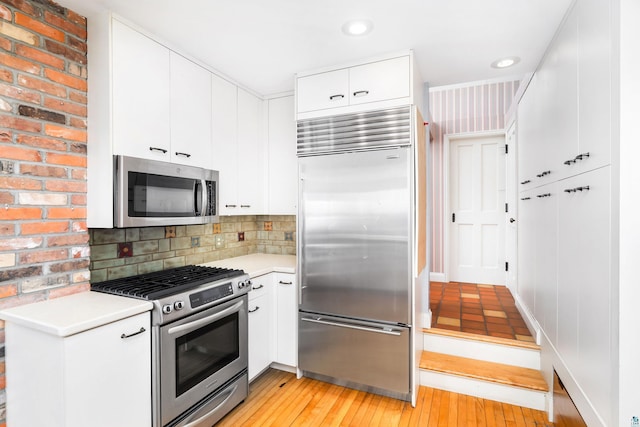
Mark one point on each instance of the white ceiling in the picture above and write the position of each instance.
(261, 44)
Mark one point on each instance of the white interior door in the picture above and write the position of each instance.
(476, 202)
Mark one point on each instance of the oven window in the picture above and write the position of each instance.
(203, 352)
(161, 196)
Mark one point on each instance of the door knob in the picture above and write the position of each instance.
(511, 220)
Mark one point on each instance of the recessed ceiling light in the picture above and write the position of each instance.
(505, 62)
(357, 27)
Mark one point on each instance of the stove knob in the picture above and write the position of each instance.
(178, 305)
(166, 309)
(241, 285)
(248, 283)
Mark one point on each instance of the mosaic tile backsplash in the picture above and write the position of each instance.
(126, 252)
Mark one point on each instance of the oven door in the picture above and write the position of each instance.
(200, 353)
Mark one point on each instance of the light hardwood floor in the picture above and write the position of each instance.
(278, 399)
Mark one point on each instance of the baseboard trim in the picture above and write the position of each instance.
(437, 277)
(528, 318)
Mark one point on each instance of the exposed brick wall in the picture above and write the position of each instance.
(44, 251)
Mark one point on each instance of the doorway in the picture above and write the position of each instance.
(475, 208)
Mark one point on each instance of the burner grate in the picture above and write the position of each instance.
(164, 283)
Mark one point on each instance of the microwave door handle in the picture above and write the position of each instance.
(201, 322)
(204, 197)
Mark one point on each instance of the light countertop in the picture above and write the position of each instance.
(258, 264)
(75, 313)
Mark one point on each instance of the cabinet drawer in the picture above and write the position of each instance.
(260, 286)
(379, 81)
(324, 90)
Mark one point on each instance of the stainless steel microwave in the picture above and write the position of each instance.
(153, 193)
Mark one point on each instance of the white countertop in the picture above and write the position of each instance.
(258, 264)
(75, 313)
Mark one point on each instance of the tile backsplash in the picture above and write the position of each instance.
(122, 252)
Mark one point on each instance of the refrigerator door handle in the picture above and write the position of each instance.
(386, 330)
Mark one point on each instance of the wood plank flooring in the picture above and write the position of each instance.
(278, 399)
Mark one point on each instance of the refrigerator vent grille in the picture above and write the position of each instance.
(354, 132)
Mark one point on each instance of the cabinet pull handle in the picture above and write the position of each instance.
(255, 309)
(573, 190)
(124, 336)
(525, 198)
(285, 283)
(582, 156)
(543, 195)
(526, 181)
(545, 173)
(570, 161)
(229, 206)
(255, 288)
(158, 149)
(187, 155)
(245, 206)
(334, 97)
(360, 93)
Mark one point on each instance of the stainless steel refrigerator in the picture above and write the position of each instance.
(356, 250)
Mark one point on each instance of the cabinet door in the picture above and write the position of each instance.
(584, 282)
(224, 141)
(528, 135)
(141, 81)
(250, 154)
(108, 376)
(322, 91)
(527, 247)
(378, 81)
(286, 318)
(283, 162)
(260, 354)
(190, 113)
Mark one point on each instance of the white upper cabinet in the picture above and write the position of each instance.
(190, 113)
(141, 95)
(283, 162)
(375, 84)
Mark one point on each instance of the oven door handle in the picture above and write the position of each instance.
(200, 322)
(203, 418)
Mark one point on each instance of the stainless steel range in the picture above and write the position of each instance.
(199, 341)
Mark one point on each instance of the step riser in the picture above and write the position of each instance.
(486, 390)
(516, 356)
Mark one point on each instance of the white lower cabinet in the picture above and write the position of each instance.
(286, 319)
(100, 377)
(260, 325)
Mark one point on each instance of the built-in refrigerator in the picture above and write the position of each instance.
(358, 248)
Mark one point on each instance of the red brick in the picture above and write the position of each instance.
(69, 290)
(76, 19)
(21, 299)
(65, 24)
(5, 292)
(14, 183)
(5, 13)
(66, 79)
(23, 5)
(79, 174)
(78, 97)
(78, 147)
(69, 266)
(36, 257)
(5, 44)
(67, 52)
(77, 123)
(79, 226)
(42, 86)
(18, 123)
(65, 106)
(42, 142)
(45, 227)
(6, 198)
(68, 240)
(65, 133)
(5, 75)
(66, 186)
(13, 214)
(67, 159)
(18, 243)
(79, 200)
(77, 44)
(7, 229)
(6, 136)
(19, 153)
(67, 213)
(15, 92)
(40, 56)
(18, 63)
(39, 27)
(44, 171)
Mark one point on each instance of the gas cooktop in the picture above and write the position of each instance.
(160, 284)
